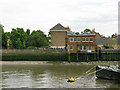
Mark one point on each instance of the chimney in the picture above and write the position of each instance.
(68, 28)
(93, 30)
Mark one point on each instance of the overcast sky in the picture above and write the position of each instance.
(44, 14)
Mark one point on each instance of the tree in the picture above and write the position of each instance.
(11, 44)
(87, 30)
(5, 36)
(38, 38)
(77, 33)
(28, 41)
(28, 32)
(17, 34)
(18, 43)
(114, 35)
(106, 46)
(1, 32)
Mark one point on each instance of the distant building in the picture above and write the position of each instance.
(58, 36)
(63, 37)
(97, 35)
(81, 42)
(110, 42)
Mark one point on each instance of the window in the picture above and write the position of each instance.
(71, 47)
(87, 39)
(83, 39)
(78, 39)
(75, 39)
(71, 39)
(89, 47)
(84, 47)
(81, 47)
(91, 39)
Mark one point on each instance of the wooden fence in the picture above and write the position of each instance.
(100, 55)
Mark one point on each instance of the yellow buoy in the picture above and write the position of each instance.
(71, 80)
(86, 72)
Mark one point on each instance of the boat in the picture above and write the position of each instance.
(108, 72)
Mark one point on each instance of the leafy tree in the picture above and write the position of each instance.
(106, 46)
(28, 32)
(5, 36)
(38, 38)
(17, 34)
(1, 32)
(18, 43)
(49, 33)
(87, 30)
(11, 44)
(28, 41)
(77, 33)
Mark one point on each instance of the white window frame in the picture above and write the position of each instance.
(81, 47)
(86, 39)
(79, 39)
(74, 39)
(92, 39)
(84, 47)
(71, 38)
(83, 41)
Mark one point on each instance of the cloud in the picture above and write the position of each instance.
(44, 14)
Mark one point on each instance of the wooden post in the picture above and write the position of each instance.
(69, 59)
(77, 51)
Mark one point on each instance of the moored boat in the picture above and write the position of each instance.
(108, 72)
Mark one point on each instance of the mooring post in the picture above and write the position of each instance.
(100, 54)
(69, 59)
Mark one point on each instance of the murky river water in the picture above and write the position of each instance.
(51, 76)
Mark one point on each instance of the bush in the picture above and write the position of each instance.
(31, 47)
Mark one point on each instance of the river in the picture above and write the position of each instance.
(51, 76)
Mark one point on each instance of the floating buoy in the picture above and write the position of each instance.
(71, 80)
(86, 72)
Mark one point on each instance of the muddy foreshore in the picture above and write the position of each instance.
(58, 63)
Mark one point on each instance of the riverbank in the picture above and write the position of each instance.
(58, 63)
(56, 55)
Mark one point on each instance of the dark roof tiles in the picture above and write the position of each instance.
(58, 27)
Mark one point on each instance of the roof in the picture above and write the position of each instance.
(58, 27)
(101, 40)
(83, 34)
(106, 41)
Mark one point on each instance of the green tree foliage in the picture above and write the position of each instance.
(5, 36)
(11, 44)
(106, 46)
(1, 32)
(38, 38)
(18, 43)
(77, 33)
(20, 39)
(28, 41)
(28, 32)
(18, 35)
(87, 30)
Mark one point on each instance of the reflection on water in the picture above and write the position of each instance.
(36, 76)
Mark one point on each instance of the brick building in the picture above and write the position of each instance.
(81, 43)
(63, 37)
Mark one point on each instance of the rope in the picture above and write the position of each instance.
(91, 69)
(88, 70)
(88, 74)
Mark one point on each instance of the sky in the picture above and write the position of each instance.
(45, 14)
